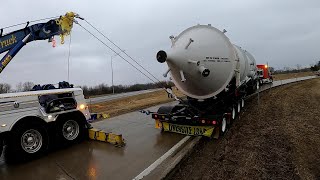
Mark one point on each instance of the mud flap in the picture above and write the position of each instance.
(112, 138)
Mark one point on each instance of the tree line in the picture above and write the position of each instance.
(106, 89)
(20, 87)
(91, 90)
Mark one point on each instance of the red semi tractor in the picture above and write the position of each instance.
(264, 74)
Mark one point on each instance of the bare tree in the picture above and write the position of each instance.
(19, 87)
(27, 86)
(5, 88)
(271, 69)
(298, 67)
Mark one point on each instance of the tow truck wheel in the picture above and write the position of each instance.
(223, 126)
(70, 130)
(27, 141)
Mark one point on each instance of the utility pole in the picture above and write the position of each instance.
(113, 56)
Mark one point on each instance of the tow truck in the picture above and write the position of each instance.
(264, 74)
(32, 122)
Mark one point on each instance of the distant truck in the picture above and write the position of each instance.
(31, 121)
(264, 74)
(317, 73)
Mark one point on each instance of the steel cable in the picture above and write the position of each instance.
(121, 50)
(116, 52)
(29, 22)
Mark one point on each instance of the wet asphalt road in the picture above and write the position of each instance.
(98, 160)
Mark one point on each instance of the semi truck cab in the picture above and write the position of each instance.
(31, 121)
(264, 74)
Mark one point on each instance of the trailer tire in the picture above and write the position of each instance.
(70, 130)
(26, 142)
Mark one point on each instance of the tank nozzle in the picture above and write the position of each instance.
(161, 56)
(204, 71)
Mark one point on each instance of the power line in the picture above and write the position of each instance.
(121, 50)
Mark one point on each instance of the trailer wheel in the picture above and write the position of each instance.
(223, 126)
(233, 113)
(239, 107)
(70, 130)
(27, 142)
(242, 103)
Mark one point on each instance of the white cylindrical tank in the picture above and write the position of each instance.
(202, 62)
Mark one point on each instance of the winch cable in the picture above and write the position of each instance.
(69, 53)
(163, 87)
(116, 52)
(121, 49)
(54, 17)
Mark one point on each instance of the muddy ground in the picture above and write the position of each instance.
(279, 139)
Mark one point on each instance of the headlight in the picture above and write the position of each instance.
(82, 106)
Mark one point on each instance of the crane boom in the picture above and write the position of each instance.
(14, 41)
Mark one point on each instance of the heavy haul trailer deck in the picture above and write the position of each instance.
(211, 123)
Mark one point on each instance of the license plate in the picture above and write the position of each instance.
(188, 130)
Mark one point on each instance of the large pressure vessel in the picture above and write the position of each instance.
(202, 61)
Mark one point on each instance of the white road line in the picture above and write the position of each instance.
(161, 159)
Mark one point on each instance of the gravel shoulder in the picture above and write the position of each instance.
(279, 138)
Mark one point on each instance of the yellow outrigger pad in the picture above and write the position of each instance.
(188, 130)
(115, 139)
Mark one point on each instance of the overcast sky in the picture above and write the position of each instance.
(282, 33)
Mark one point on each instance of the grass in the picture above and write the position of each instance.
(133, 103)
(277, 77)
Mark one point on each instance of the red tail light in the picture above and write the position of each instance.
(214, 122)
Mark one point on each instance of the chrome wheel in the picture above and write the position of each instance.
(223, 125)
(70, 130)
(239, 107)
(233, 114)
(242, 103)
(31, 141)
